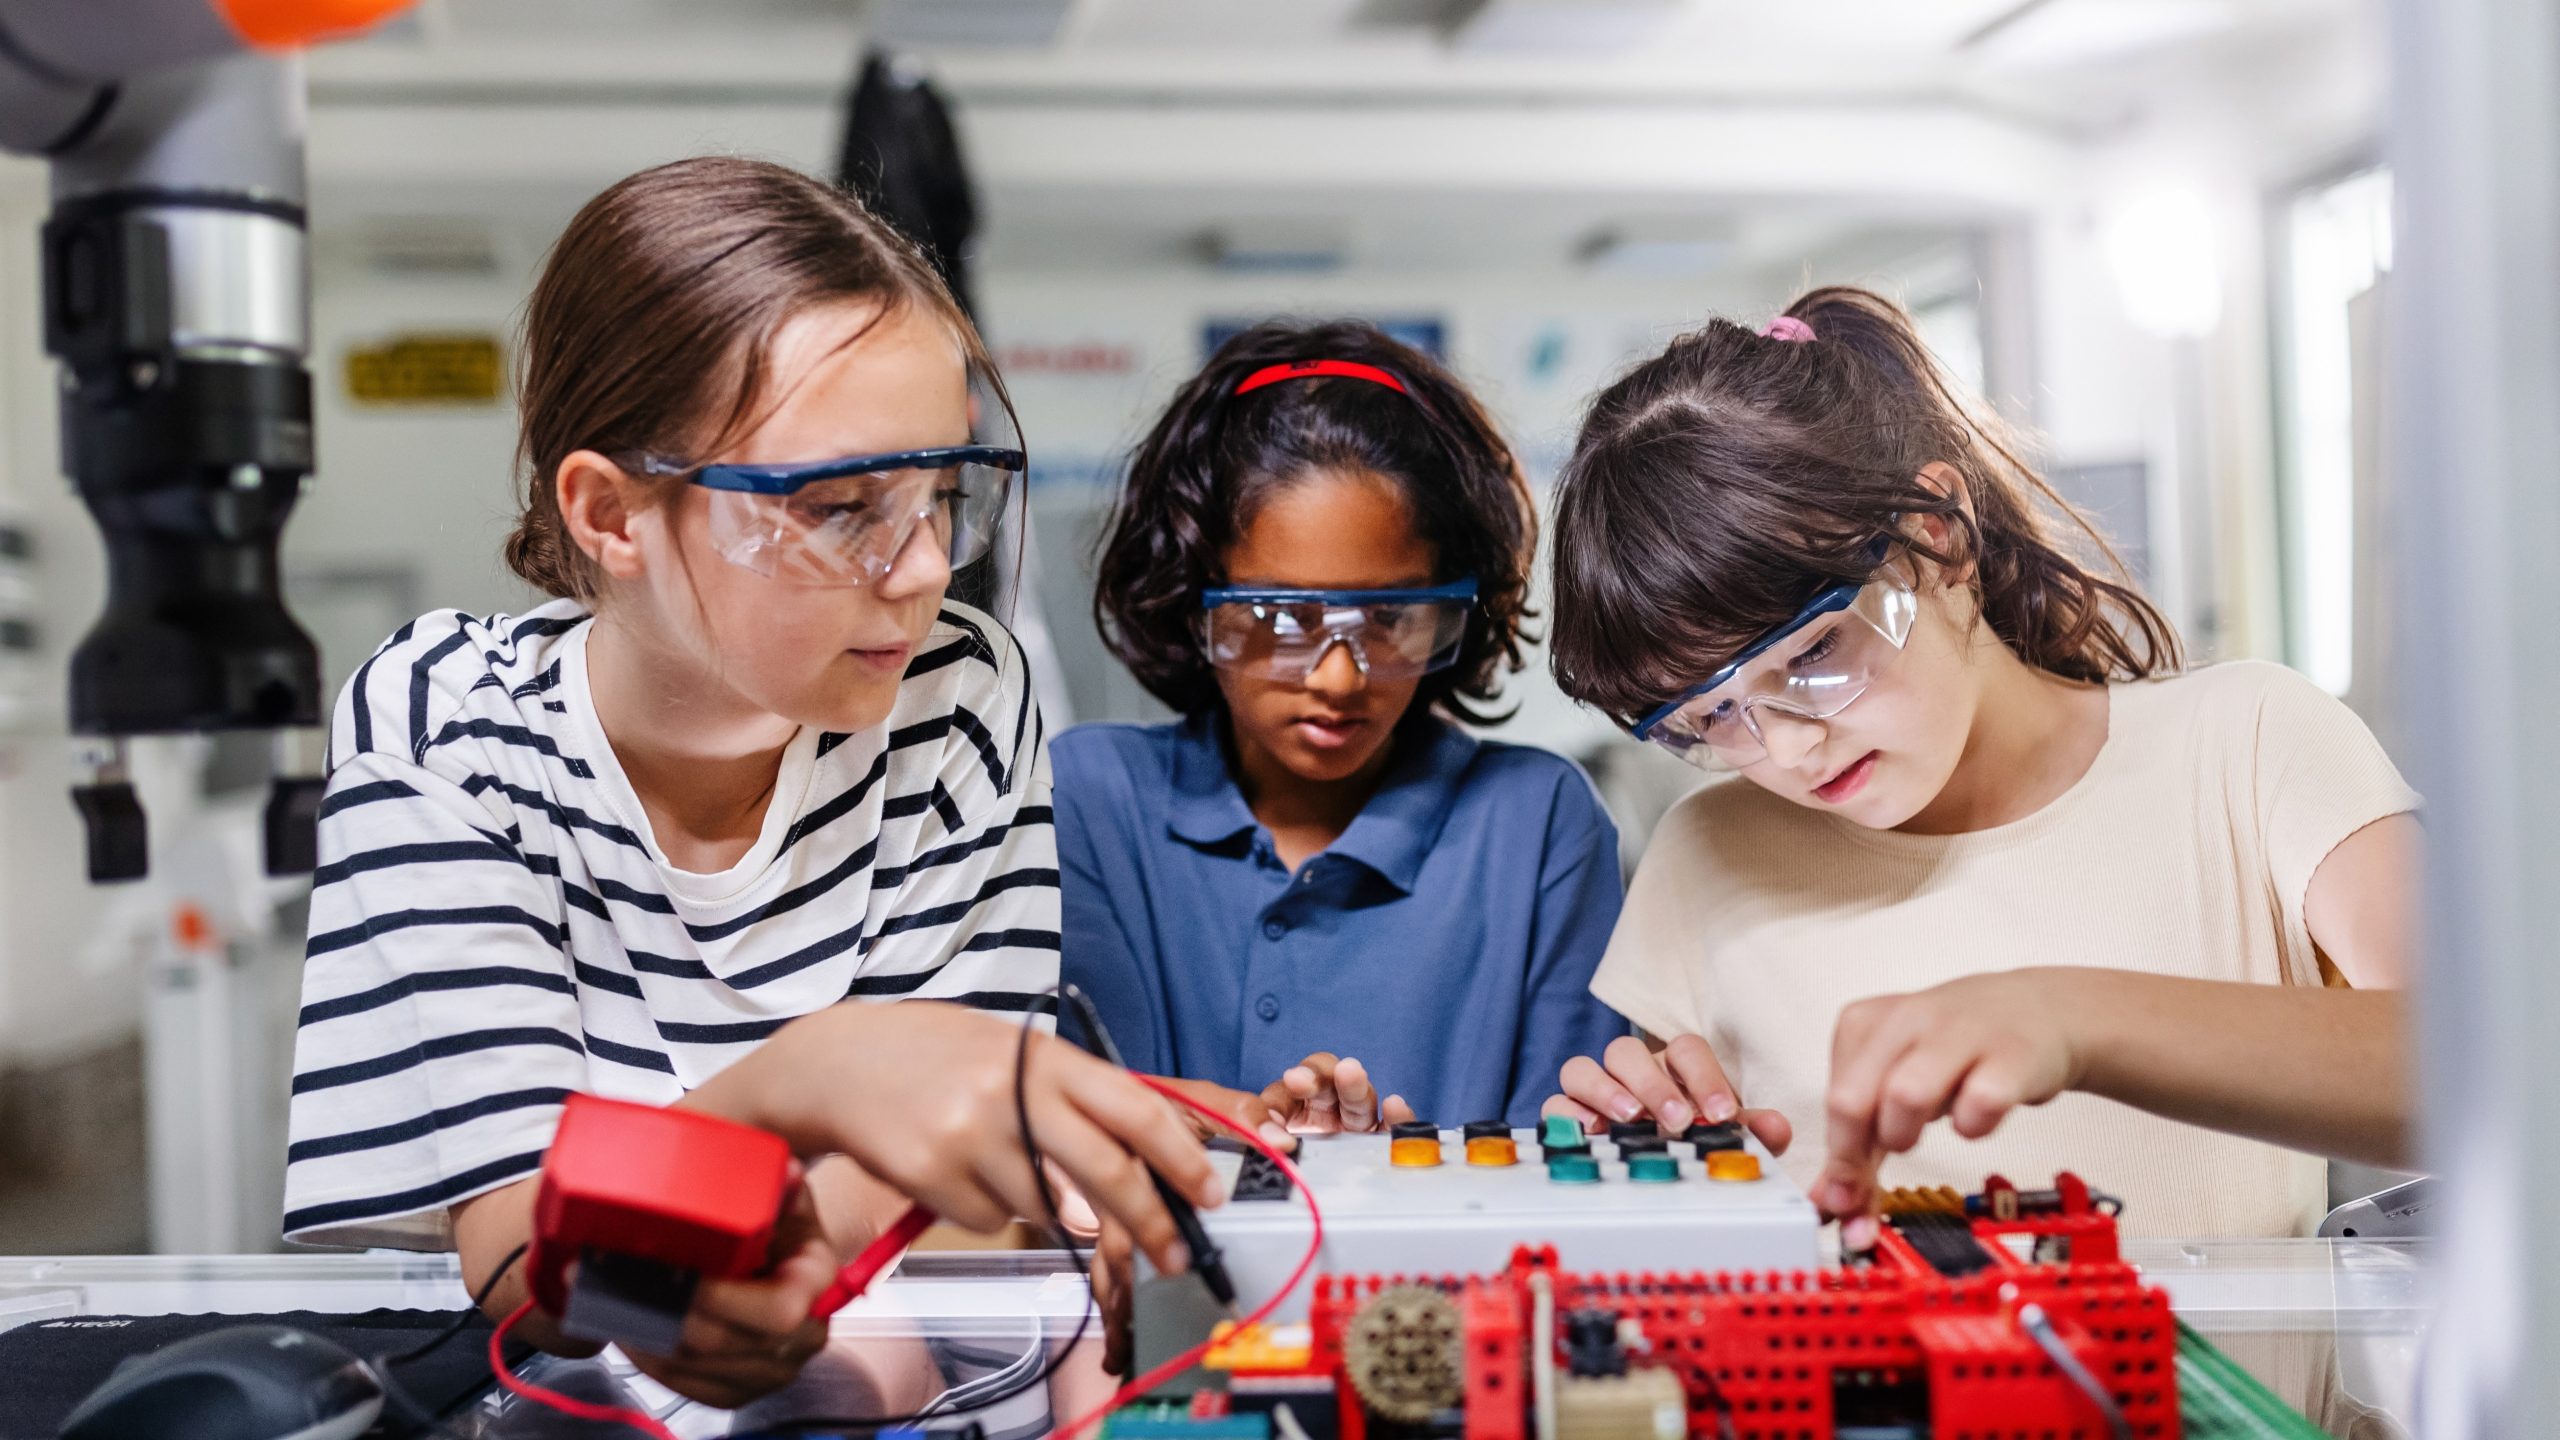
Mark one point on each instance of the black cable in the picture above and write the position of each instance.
(804, 1425)
(418, 1413)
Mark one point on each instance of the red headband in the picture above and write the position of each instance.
(1309, 369)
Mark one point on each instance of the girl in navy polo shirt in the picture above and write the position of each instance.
(1315, 885)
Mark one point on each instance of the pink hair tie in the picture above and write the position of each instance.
(1787, 328)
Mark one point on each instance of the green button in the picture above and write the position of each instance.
(1574, 1170)
(1560, 1131)
(1653, 1168)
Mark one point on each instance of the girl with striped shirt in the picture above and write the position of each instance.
(750, 762)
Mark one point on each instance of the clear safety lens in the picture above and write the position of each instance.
(850, 530)
(1287, 640)
(1812, 674)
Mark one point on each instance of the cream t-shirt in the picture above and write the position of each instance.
(2186, 849)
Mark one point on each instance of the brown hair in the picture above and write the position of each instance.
(1215, 456)
(648, 329)
(1720, 485)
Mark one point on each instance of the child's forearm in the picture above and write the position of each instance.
(2313, 1069)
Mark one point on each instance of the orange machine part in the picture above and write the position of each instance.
(292, 24)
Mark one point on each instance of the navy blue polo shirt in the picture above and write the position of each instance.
(1447, 938)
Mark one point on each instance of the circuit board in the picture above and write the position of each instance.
(1420, 1200)
(2004, 1315)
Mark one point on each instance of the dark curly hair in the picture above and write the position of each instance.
(1201, 474)
(1718, 486)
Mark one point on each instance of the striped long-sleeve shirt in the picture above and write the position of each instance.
(492, 926)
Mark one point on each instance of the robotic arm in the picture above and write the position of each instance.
(176, 297)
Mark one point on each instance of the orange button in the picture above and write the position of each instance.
(1493, 1150)
(1736, 1165)
(1414, 1153)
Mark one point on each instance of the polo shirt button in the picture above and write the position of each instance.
(1274, 929)
(1268, 1007)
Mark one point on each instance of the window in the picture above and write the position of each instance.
(2337, 237)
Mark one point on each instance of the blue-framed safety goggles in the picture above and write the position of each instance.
(1272, 633)
(846, 521)
(1809, 667)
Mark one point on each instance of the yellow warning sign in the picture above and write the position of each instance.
(452, 369)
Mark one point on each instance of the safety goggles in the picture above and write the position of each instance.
(845, 522)
(1276, 634)
(1810, 668)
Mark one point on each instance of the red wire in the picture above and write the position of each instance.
(567, 1405)
(1185, 1360)
(857, 1276)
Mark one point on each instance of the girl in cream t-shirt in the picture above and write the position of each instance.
(1985, 854)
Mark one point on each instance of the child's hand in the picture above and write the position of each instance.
(1321, 1095)
(747, 1338)
(922, 1096)
(1971, 1050)
(1677, 1086)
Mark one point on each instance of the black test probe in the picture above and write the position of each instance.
(1206, 1262)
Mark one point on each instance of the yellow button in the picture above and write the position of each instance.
(1493, 1150)
(1733, 1165)
(1415, 1152)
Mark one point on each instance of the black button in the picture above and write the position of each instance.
(1268, 1007)
(1643, 1145)
(1274, 929)
(1260, 1180)
(1488, 1130)
(1414, 1130)
(1709, 1138)
(1622, 1131)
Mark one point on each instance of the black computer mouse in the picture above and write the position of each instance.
(247, 1382)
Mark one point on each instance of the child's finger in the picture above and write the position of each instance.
(1693, 1062)
(1396, 1112)
(1572, 1109)
(762, 1308)
(1846, 1185)
(1113, 1275)
(1858, 1234)
(1138, 1121)
(1597, 1091)
(1074, 1211)
(1357, 1097)
(1918, 1090)
(1990, 1091)
(1774, 1129)
(1114, 1181)
(1633, 1065)
(753, 1313)
(1865, 1046)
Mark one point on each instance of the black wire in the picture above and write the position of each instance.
(1057, 1229)
(418, 1413)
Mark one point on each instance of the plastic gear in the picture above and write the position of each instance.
(1403, 1352)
